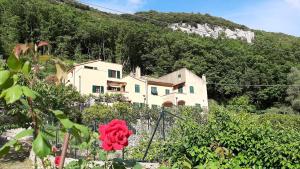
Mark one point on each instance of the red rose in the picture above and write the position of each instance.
(57, 161)
(114, 135)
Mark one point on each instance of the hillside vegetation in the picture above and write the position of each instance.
(77, 32)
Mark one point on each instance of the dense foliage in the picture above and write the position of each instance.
(80, 33)
(236, 139)
(59, 97)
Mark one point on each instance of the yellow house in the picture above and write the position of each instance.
(181, 87)
(96, 77)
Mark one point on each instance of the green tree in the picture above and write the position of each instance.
(293, 91)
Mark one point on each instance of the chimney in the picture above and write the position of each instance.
(204, 78)
(137, 72)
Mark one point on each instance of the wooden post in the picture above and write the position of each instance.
(64, 150)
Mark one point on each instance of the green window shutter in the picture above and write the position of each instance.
(154, 91)
(167, 91)
(191, 89)
(102, 89)
(137, 88)
(118, 74)
(180, 89)
(109, 73)
(94, 89)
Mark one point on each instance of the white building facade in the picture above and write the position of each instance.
(181, 87)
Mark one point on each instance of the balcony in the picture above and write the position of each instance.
(114, 87)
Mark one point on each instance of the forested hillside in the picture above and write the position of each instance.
(77, 32)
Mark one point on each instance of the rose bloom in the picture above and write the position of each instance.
(57, 160)
(114, 135)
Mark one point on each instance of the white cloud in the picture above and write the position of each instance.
(116, 6)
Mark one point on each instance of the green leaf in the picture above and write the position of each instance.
(4, 75)
(102, 155)
(15, 78)
(18, 146)
(118, 165)
(25, 103)
(7, 84)
(13, 63)
(83, 130)
(68, 124)
(6, 147)
(40, 146)
(28, 92)
(26, 68)
(12, 94)
(186, 165)
(24, 133)
(4, 150)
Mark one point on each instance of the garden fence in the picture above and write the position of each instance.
(143, 127)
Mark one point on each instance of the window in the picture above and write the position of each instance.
(98, 89)
(180, 89)
(111, 73)
(137, 88)
(118, 74)
(167, 91)
(198, 105)
(114, 74)
(154, 91)
(90, 67)
(179, 76)
(191, 89)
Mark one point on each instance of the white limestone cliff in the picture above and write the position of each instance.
(206, 30)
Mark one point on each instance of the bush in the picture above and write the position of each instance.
(241, 104)
(230, 139)
(104, 113)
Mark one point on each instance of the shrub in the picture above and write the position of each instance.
(231, 139)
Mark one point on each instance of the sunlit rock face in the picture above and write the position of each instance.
(206, 30)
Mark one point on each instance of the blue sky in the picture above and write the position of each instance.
(270, 15)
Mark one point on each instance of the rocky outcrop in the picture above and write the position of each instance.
(206, 30)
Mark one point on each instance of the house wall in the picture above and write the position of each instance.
(200, 91)
(173, 77)
(83, 79)
(157, 99)
(130, 89)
